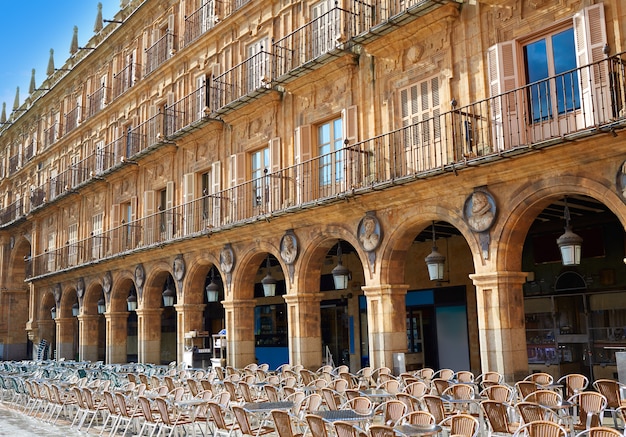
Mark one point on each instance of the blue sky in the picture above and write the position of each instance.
(30, 28)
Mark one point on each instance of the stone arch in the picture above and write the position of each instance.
(121, 285)
(156, 276)
(46, 302)
(68, 298)
(529, 202)
(18, 266)
(399, 239)
(197, 270)
(246, 269)
(93, 293)
(312, 255)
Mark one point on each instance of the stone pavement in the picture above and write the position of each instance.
(14, 424)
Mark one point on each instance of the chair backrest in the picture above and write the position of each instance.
(392, 410)
(541, 378)
(463, 425)
(360, 404)
(591, 406)
(544, 397)
(344, 429)
(498, 392)
(531, 412)
(218, 416)
(381, 431)
(121, 403)
(464, 376)
(110, 402)
(460, 391)
(271, 392)
(417, 389)
(177, 394)
(425, 374)
(610, 389)
(574, 383)
(330, 398)
(311, 403)
(390, 386)
(541, 428)
(282, 422)
(317, 425)
(146, 410)
(434, 405)
(417, 418)
(164, 413)
(497, 415)
(412, 403)
(444, 374)
(440, 385)
(524, 388)
(600, 431)
(242, 420)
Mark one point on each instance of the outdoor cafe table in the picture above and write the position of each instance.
(416, 430)
(265, 407)
(375, 393)
(344, 415)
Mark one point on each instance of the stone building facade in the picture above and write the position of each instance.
(204, 145)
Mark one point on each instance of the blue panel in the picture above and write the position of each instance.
(274, 356)
(414, 298)
(351, 333)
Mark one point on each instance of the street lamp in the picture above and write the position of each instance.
(132, 301)
(53, 312)
(569, 243)
(341, 274)
(75, 309)
(102, 307)
(435, 261)
(168, 294)
(212, 290)
(269, 282)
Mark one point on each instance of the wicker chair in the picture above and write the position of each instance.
(497, 415)
(573, 383)
(541, 428)
(611, 391)
(591, 406)
(462, 425)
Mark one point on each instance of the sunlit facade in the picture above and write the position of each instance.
(279, 171)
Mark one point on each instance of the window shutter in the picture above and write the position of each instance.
(349, 118)
(116, 232)
(590, 38)
(189, 194)
(302, 154)
(169, 210)
(149, 200)
(503, 78)
(276, 182)
(350, 124)
(237, 176)
(216, 187)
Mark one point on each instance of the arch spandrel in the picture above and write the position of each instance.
(526, 205)
(122, 282)
(68, 298)
(155, 277)
(93, 293)
(197, 270)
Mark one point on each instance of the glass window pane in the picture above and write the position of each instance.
(564, 54)
(536, 61)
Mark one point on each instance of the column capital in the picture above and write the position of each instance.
(109, 315)
(85, 317)
(182, 307)
(148, 311)
(384, 289)
(238, 304)
(493, 279)
(293, 299)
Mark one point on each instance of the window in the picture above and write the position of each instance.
(552, 56)
(259, 163)
(96, 233)
(420, 110)
(326, 29)
(72, 246)
(51, 251)
(258, 65)
(167, 225)
(330, 151)
(75, 169)
(127, 218)
(100, 157)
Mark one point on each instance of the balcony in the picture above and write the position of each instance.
(14, 164)
(50, 135)
(29, 151)
(242, 83)
(97, 100)
(185, 112)
(73, 119)
(492, 129)
(159, 52)
(125, 79)
(12, 212)
(200, 21)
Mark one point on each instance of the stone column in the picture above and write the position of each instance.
(149, 333)
(386, 319)
(45, 330)
(305, 337)
(88, 337)
(116, 334)
(66, 332)
(239, 316)
(189, 318)
(500, 308)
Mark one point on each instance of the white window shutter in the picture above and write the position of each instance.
(302, 153)
(590, 38)
(216, 187)
(503, 78)
(116, 231)
(189, 194)
(150, 220)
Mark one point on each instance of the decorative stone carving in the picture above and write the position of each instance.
(80, 287)
(107, 283)
(179, 268)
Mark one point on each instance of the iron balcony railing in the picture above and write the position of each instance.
(188, 110)
(243, 82)
(325, 35)
(29, 151)
(159, 52)
(14, 163)
(125, 79)
(97, 100)
(72, 119)
(583, 101)
(201, 20)
(50, 135)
